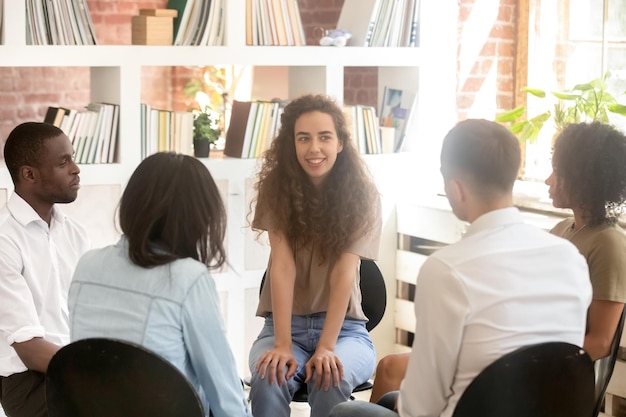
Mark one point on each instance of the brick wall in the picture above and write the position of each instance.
(486, 58)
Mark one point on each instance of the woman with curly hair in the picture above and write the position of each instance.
(321, 211)
(589, 177)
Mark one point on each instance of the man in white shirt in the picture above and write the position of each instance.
(503, 286)
(39, 249)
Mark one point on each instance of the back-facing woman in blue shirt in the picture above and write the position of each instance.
(154, 288)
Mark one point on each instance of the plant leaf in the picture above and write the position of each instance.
(617, 108)
(566, 96)
(511, 115)
(517, 127)
(583, 87)
(535, 92)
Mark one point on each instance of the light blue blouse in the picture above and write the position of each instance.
(171, 309)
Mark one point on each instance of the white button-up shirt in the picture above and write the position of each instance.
(503, 286)
(36, 267)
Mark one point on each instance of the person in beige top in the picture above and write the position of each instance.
(321, 211)
(589, 177)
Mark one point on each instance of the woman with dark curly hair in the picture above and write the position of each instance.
(589, 177)
(321, 211)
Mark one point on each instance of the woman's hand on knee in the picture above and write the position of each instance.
(325, 367)
(277, 364)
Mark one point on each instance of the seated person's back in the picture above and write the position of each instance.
(503, 286)
(154, 288)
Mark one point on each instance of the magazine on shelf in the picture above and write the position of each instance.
(395, 111)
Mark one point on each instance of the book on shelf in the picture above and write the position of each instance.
(59, 22)
(296, 22)
(193, 22)
(200, 22)
(92, 131)
(395, 111)
(250, 27)
(414, 35)
(273, 22)
(203, 19)
(165, 131)
(247, 140)
(381, 22)
(235, 135)
(183, 21)
(216, 24)
(54, 115)
(280, 22)
(252, 126)
(67, 121)
(179, 6)
(115, 127)
(364, 128)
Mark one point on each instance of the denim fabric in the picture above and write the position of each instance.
(361, 409)
(354, 349)
(172, 309)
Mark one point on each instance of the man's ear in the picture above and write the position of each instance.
(28, 174)
(457, 189)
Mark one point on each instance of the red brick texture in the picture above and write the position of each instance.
(483, 56)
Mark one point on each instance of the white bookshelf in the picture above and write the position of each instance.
(430, 70)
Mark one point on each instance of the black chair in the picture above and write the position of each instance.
(102, 377)
(373, 303)
(552, 379)
(604, 367)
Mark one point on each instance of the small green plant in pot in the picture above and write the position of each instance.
(583, 103)
(206, 132)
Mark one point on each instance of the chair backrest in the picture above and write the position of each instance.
(552, 379)
(101, 377)
(373, 292)
(604, 367)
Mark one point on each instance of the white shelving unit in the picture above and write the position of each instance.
(115, 77)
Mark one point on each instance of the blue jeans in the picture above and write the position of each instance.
(355, 351)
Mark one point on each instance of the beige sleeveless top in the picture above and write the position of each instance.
(312, 283)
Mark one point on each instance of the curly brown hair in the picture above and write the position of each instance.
(590, 161)
(342, 210)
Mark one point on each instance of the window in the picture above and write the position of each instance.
(570, 42)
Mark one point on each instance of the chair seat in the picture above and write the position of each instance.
(102, 377)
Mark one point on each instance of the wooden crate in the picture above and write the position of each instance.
(153, 27)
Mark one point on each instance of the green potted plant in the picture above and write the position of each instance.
(585, 102)
(206, 132)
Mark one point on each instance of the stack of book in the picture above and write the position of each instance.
(59, 22)
(381, 22)
(253, 125)
(364, 128)
(165, 130)
(93, 131)
(199, 22)
(274, 22)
